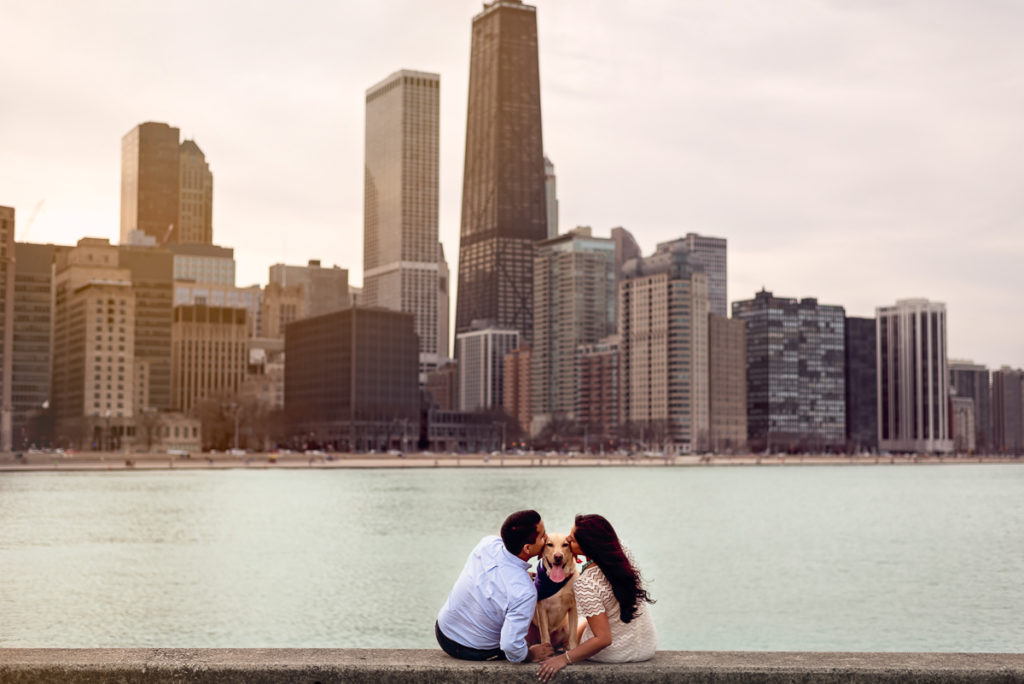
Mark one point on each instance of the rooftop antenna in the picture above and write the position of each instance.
(31, 220)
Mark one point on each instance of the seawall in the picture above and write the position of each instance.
(323, 666)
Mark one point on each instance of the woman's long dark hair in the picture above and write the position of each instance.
(599, 543)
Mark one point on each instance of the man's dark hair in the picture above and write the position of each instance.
(519, 529)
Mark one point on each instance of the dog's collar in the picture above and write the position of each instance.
(545, 585)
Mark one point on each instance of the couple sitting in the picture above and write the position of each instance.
(489, 612)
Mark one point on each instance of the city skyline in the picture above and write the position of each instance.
(856, 176)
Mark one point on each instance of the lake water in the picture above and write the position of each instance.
(876, 558)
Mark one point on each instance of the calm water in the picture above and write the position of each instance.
(889, 558)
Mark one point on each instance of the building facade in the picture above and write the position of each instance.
(504, 210)
(195, 196)
(597, 405)
(663, 318)
(323, 289)
(401, 253)
(152, 278)
(94, 329)
(727, 385)
(33, 335)
(973, 380)
(962, 429)
(7, 295)
(861, 385)
(1008, 410)
(204, 264)
(573, 304)
(795, 373)
(481, 360)
(351, 380)
(913, 378)
(711, 253)
(443, 386)
(166, 187)
(209, 353)
(279, 306)
(188, 293)
(517, 394)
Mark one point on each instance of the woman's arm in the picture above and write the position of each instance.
(602, 639)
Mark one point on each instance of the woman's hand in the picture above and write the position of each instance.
(550, 667)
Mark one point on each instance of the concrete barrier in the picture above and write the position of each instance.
(324, 666)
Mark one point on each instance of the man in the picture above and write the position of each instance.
(491, 605)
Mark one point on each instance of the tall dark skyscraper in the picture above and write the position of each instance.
(504, 211)
(795, 373)
(861, 384)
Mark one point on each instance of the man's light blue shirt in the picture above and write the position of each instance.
(492, 602)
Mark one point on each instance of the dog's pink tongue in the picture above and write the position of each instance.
(557, 574)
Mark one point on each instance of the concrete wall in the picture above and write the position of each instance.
(230, 666)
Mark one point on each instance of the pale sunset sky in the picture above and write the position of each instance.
(856, 151)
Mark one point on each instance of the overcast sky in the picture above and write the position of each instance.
(858, 152)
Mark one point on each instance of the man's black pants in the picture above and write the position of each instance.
(457, 650)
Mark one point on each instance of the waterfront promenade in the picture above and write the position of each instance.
(95, 460)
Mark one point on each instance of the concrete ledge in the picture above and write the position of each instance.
(323, 666)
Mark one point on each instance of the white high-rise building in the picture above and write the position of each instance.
(401, 259)
(913, 378)
(551, 196)
(481, 354)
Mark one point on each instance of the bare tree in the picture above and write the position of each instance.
(147, 427)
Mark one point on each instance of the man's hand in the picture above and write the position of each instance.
(540, 652)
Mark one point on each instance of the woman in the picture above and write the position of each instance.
(611, 596)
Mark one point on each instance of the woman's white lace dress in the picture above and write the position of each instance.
(631, 641)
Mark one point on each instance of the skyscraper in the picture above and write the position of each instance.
(573, 304)
(481, 353)
(208, 346)
(504, 211)
(861, 385)
(551, 197)
(626, 248)
(913, 380)
(727, 383)
(6, 322)
(795, 374)
(401, 255)
(597, 404)
(1008, 410)
(166, 186)
(663, 331)
(971, 379)
(33, 311)
(195, 196)
(94, 347)
(710, 252)
(152, 280)
(350, 379)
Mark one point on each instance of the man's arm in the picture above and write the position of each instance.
(513, 630)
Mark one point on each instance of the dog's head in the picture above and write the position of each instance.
(557, 558)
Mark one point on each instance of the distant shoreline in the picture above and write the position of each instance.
(97, 462)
